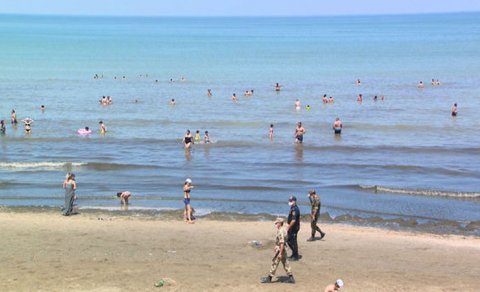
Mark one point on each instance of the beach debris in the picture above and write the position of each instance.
(160, 283)
(171, 251)
(255, 243)
(165, 282)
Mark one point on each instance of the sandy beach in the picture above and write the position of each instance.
(92, 252)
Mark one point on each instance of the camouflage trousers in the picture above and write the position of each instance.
(284, 261)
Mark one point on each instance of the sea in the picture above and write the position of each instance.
(402, 162)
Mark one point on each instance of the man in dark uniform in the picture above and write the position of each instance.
(315, 202)
(293, 226)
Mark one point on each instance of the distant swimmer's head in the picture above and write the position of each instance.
(188, 132)
(271, 125)
(206, 132)
(87, 129)
(188, 181)
(119, 194)
(299, 124)
(197, 132)
(71, 176)
(337, 119)
(312, 192)
(455, 104)
(101, 122)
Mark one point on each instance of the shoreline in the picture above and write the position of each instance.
(85, 252)
(433, 227)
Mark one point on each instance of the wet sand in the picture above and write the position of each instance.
(87, 252)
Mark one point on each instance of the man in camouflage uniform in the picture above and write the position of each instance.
(315, 202)
(280, 254)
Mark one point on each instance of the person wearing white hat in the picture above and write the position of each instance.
(335, 286)
(187, 213)
(280, 254)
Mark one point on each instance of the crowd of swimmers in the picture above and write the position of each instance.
(188, 140)
(106, 100)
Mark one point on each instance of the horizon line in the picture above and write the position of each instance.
(237, 16)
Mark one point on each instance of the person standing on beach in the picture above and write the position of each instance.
(187, 213)
(337, 126)
(315, 202)
(70, 185)
(454, 110)
(299, 132)
(280, 254)
(335, 286)
(293, 227)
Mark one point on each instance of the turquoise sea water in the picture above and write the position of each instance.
(404, 159)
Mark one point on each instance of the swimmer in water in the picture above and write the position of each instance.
(209, 92)
(307, 107)
(375, 98)
(3, 129)
(188, 140)
(360, 98)
(28, 125)
(358, 82)
(234, 97)
(324, 99)
(42, 108)
(270, 132)
(277, 86)
(28, 129)
(14, 117)
(197, 136)
(297, 104)
(454, 110)
(420, 84)
(103, 128)
(331, 100)
(206, 138)
(173, 102)
(299, 132)
(337, 126)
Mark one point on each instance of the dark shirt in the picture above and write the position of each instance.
(294, 214)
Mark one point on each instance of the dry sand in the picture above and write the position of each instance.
(49, 252)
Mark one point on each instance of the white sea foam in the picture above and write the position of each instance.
(35, 166)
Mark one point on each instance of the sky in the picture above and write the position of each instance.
(235, 7)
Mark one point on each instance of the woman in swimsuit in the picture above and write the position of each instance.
(188, 140)
(187, 213)
(14, 117)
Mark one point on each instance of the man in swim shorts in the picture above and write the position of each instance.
(337, 126)
(299, 132)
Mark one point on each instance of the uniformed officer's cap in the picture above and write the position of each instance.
(292, 198)
(279, 220)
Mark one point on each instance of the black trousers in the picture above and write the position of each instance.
(292, 242)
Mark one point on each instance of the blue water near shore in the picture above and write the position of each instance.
(404, 158)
